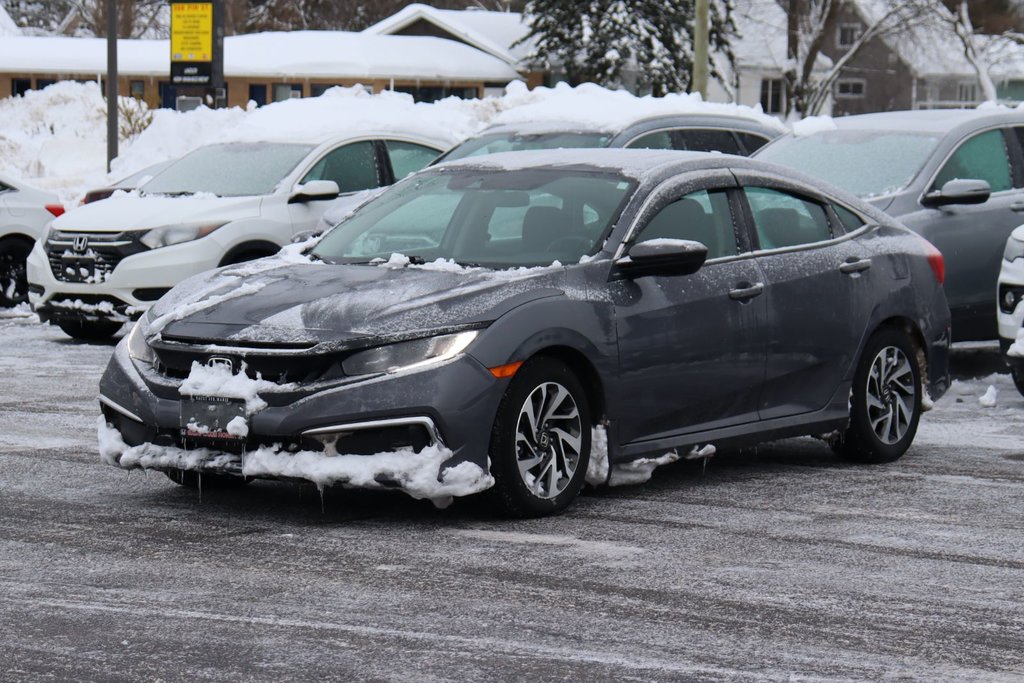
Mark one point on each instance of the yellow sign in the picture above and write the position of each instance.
(191, 31)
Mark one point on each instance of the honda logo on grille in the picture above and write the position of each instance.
(221, 362)
(81, 243)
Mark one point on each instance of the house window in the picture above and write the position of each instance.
(848, 34)
(850, 88)
(771, 95)
(287, 91)
(20, 86)
(967, 92)
(137, 89)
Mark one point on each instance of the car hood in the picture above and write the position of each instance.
(135, 212)
(881, 203)
(266, 303)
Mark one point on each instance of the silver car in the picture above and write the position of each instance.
(956, 177)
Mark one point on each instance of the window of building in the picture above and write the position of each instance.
(850, 88)
(137, 89)
(287, 91)
(772, 90)
(258, 94)
(20, 86)
(848, 34)
(967, 92)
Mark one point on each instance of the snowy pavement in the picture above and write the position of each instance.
(786, 564)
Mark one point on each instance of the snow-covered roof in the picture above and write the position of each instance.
(7, 25)
(302, 54)
(763, 35)
(493, 32)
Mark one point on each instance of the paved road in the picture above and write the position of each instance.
(784, 564)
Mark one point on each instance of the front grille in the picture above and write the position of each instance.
(281, 369)
(89, 257)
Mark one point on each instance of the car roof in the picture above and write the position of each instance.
(338, 138)
(929, 120)
(682, 120)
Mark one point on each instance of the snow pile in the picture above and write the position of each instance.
(639, 471)
(1016, 349)
(7, 25)
(988, 399)
(221, 382)
(596, 107)
(597, 469)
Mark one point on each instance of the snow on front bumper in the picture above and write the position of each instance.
(421, 475)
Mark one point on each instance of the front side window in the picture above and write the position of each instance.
(661, 139)
(229, 170)
(353, 167)
(699, 217)
(785, 220)
(407, 157)
(484, 218)
(983, 157)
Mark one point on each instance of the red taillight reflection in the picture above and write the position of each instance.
(936, 261)
(55, 209)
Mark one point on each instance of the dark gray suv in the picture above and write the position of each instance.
(521, 323)
(956, 177)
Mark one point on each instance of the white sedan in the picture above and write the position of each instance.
(1011, 306)
(106, 262)
(24, 215)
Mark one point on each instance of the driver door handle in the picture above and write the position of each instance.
(746, 292)
(855, 266)
(1017, 206)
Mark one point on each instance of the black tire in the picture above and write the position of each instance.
(191, 479)
(539, 381)
(90, 330)
(13, 279)
(880, 430)
(1017, 373)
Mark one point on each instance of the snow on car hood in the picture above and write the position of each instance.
(139, 212)
(315, 303)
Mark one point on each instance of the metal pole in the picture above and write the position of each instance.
(700, 49)
(111, 82)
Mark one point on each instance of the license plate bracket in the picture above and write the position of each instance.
(206, 418)
(78, 268)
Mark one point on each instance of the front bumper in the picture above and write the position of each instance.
(448, 410)
(134, 284)
(1011, 318)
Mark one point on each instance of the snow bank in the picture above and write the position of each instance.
(56, 138)
(990, 397)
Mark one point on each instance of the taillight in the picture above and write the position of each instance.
(55, 209)
(936, 261)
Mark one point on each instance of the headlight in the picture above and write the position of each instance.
(408, 355)
(1014, 249)
(138, 349)
(176, 234)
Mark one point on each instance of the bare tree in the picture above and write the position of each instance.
(973, 50)
(811, 22)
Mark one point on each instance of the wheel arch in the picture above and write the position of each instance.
(580, 366)
(18, 237)
(912, 330)
(258, 248)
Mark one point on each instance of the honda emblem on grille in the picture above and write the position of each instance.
(221, 362)
(81, 243)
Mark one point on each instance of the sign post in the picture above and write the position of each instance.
(111, 82)
(197, 56)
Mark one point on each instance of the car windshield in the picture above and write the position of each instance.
(868, 163)
(521, 142)
(495, 219)
(229, 170)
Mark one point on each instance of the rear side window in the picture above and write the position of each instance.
(407, 157)
(353, 167)
(849, 219)
(752, 142)
(697, 140)
(659, 140)
(701, 217)
(785, 220)
(983, 157)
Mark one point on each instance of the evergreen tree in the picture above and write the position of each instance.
(603, 41)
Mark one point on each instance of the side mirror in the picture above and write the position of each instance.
(959, 191)
(663, 257)
(315, 191)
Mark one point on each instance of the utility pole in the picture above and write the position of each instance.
(700, 49)
(111, 82)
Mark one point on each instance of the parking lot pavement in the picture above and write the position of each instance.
(777, 564)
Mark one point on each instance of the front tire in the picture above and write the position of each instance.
(90, 330)
(886, 401)
(540, 442)
(13, 280)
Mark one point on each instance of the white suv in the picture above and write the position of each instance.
(24, 214)
(1011, 306)
(105, 263)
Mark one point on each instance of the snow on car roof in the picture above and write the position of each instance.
(635, 163)
(926, 120)
(592, 107)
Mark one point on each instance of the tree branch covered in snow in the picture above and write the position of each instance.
(606, 41)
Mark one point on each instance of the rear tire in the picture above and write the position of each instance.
(13, 279)
(90, 330)
(1017, 373)
(886, 402)
(191, 479)
(540, 441)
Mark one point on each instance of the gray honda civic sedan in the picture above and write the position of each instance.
(518, 325)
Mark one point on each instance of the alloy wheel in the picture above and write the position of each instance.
(890, 395)
(549, 440)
